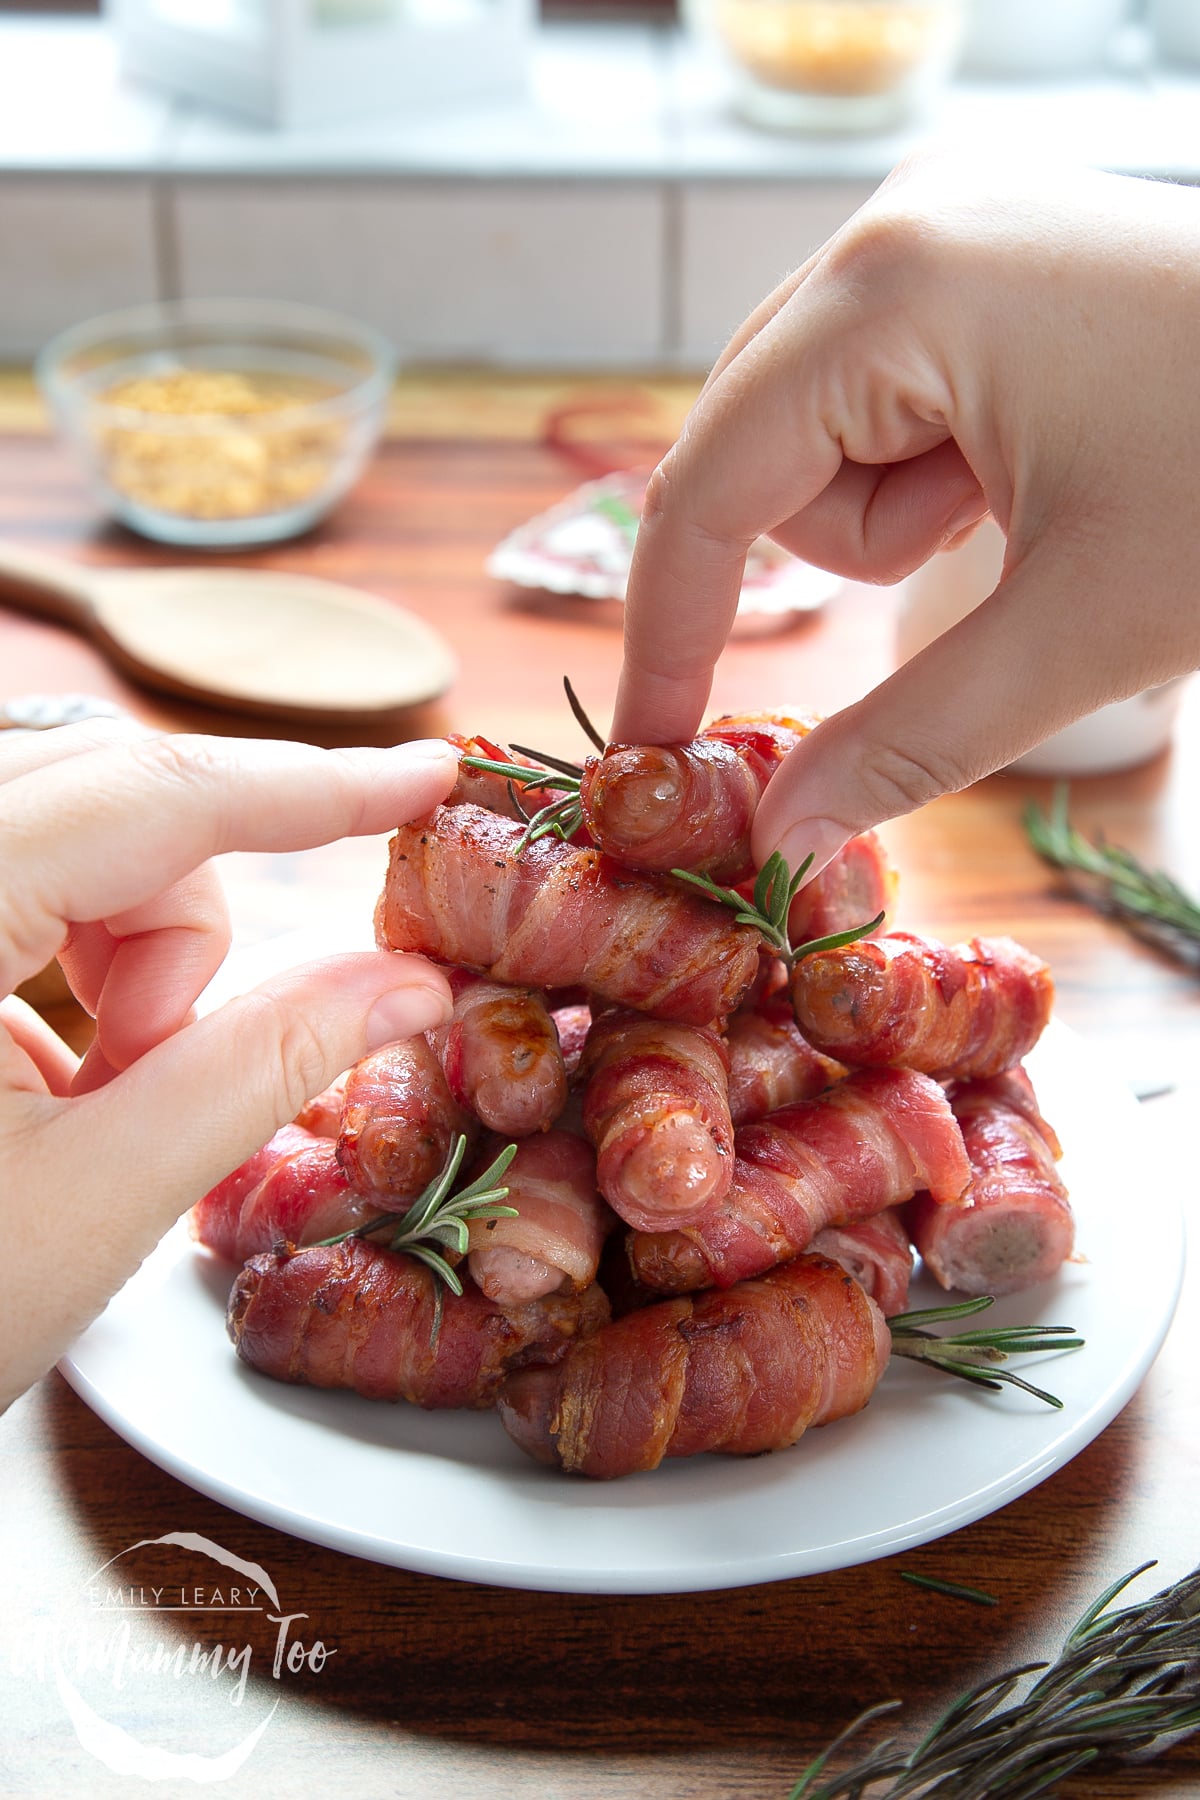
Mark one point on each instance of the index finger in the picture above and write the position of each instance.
(755, 449)
(98, 834)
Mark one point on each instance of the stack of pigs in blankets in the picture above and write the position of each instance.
(724, 1156)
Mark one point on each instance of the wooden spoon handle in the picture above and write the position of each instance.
(50, 587)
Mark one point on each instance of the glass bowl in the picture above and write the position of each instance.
(837, 65)
(219, 422)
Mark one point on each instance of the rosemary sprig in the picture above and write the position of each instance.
(774, 891)
(1125, 1686)
(581, 719)
(976, 1355)
(440, 1217)
(562, 817)
(1113, 881)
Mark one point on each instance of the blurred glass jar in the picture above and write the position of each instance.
(1041, 38)
(1175, 29)
(837, 65)
(1120, 736)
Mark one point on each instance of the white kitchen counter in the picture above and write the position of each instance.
(617, 213)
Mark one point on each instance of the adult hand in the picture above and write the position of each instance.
(971, 341)
(104, 836)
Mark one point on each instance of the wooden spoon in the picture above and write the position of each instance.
(247, 640)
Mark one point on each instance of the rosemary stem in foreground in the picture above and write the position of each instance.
(1125, 1686)
(1113, 881)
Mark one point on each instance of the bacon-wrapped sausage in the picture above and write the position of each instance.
(557, 917)
(656, 1108)
(303, 1197)
(399, 1120)
(353, 1316)
(560, 1228)
(871, 1142)
(739, 1372)
(688, 806)
(964, 1011)
(771, 1064)
(479, 787)
(1015, 1089)
(878, 1254)
(322, 1115)
(500, 1055)
(213, 1220)
(1013, 1227)
(572, 1024)
(856, 886)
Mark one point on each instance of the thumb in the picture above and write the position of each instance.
(1041, 652)
(123, 1162)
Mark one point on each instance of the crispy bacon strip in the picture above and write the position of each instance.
(964, 1011)
(878, 1254)
(354, 1316)
(322, 1115)
(1013, 1227)
(560, 1228)
(556, 917)
(740, 1372)
(476, 787)
(213, 1220)
(500, 1055)
(301, 1199)
(658, 807)
(771, 1064)
(871, 1142)
(399, 1120)
(857, 885)
(572, 1024)
(656, 1109)
(1015, 1089)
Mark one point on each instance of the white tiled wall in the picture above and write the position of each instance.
(544, 272)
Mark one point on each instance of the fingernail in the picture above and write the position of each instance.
(404, 1012)
(819, 838)
(969, 513)
(427, 750)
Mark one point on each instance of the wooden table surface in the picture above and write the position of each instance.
(441, 1688)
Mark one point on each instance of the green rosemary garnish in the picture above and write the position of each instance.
(975, 1355)
(1115, 882)
(952, 1589)
(774, 891)
(438, 1216)
(1126, 1685)
(562, 817)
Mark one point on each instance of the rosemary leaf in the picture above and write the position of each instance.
(1112, 880)
(439, 1216)
(952, 1589)
(1124, 1687)
(581, 718)
(768, 911)
(974, 1355)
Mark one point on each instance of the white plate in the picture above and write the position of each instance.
(447, 1493)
